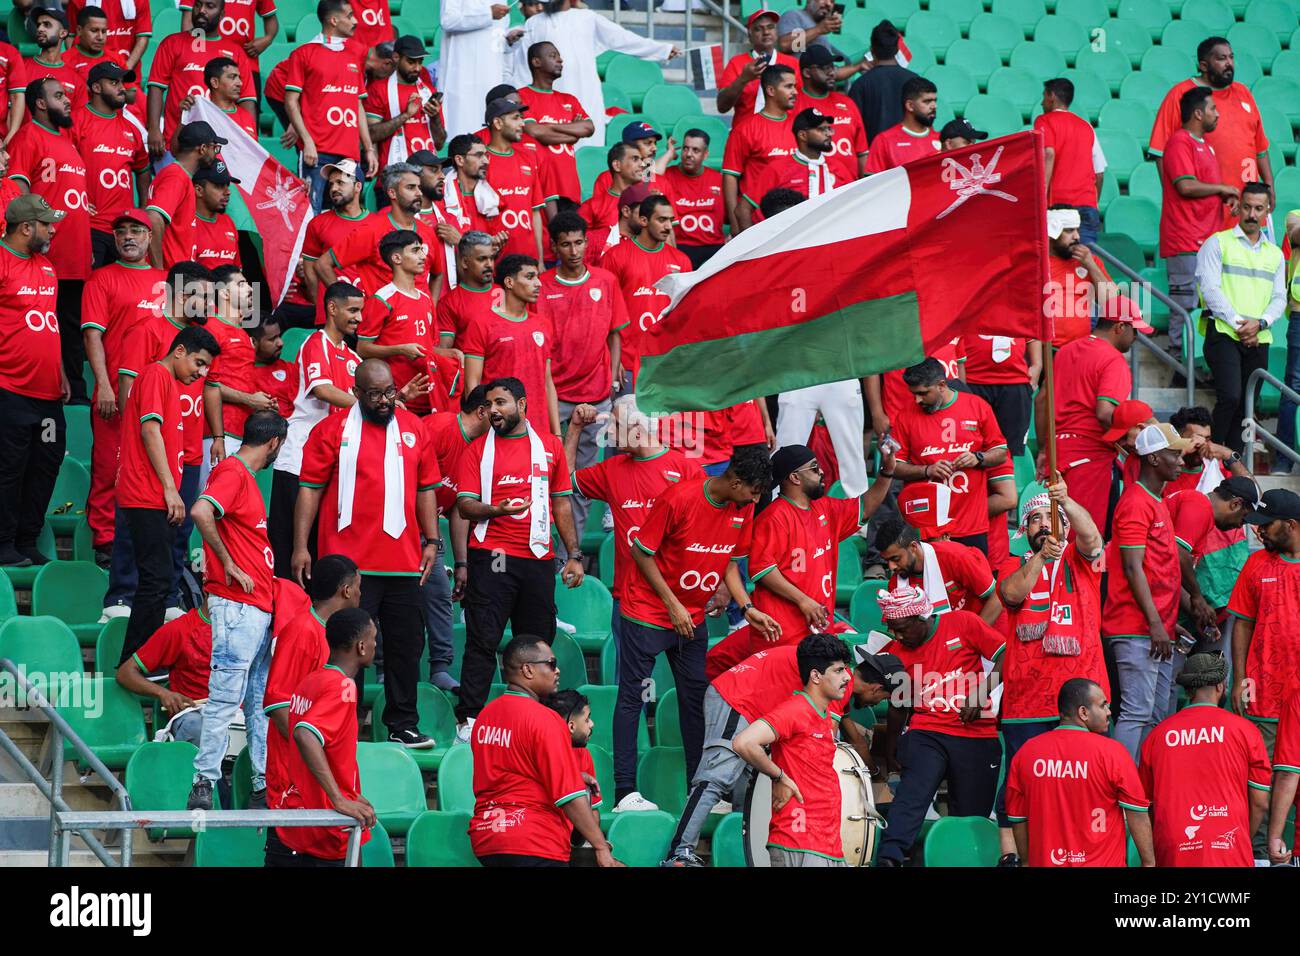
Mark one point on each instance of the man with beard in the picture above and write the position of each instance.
(239, 579)
(118, 297)
(1055, 636)
(474, 296)
(111, 141)
(954, 576)
(1142, 596)
(697, 198)
(216, 241)
(171, 195)
(466, 204)
(33, 385)
(405, 110)
(329, 228)
(1193, 198)
(848, 156)
(740, 87)
(1238, 140)
(1076, 281)
(49, 28)
(604, 210)
(514, 487)
(557, 121)
(176, 71)
(1242, 277)
(806, 170)
(367, 481)
(515, 175)
(44, 161)
(758, 139)
(915, 136)
(1072, 158)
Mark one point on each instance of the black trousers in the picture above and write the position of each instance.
(397, 605)
(978, 541)
(294, 315)
(32, 442)
(68, 310)
(699, 254)
(279, 855)
(970, 765)
(1231, 364)
(103, 249)
(501, 589)
(499, 860)
(279, 522)
(1012, 407)
(153, 538)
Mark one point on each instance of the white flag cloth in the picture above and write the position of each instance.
(394, 490)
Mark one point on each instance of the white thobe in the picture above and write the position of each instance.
(472, 61)
(581, 36)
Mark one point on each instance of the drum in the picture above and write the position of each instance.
(860, 821)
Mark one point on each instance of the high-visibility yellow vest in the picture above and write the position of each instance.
(1293, 268)
(1246, 279)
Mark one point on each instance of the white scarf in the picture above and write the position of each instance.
(1001, 347)
(486, 200)
(128, 9)
(397, 148)
(1212, 475)
(539, 515)
(936, 590)
(820, 178)
(448, 250)
(394, 490)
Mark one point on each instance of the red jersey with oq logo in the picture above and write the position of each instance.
(48, 162)
(945, 672)
(155, 396)
(803, 543)
(692, 539)
(233, 368)
(183, 647)
(364, 539)
(805, 750)
(1141, 522)
(764, 681)
(113, 148)
(968, 578)
(1072, 787)
(171, 196)
(177, 70)
(445, 431)
(965, 424)
(1198, 767)
(637, 269)
(238, 20)
(1268, 593)
(324, 232)
(524, 773)
(241, 523)
(516, 177)
(630, 485)
(553, 107)
(517, 346)
(585, 312)
(1286, 749)
(30, 362)
(324, 705)
(331, 80)
(755, 142)
(150, 341)
(697, 200)
(300, 650)
(898, 146)
(512, 470)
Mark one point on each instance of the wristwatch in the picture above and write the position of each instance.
(747, 608)
(979, 459)
(1234, 458)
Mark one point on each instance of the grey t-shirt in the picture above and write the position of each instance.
(800, 19)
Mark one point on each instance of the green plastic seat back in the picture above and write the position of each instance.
(668, 726)
(661, 778)
(728, 846)
(456, 780)
(390, 778)
(641, 839)
(440, 838)
(230, 847)
(962, 841)
(42, 646)
(72, 591)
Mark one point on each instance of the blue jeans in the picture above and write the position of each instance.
(316, 179)
(1286, 433)
(241, 658)
(438, 617)
(1089, 224)
(1144, 687)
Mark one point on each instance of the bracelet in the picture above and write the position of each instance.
(884, 474)
(462, 564)
(926, 473)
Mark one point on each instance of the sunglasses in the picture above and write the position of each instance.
(549, 662)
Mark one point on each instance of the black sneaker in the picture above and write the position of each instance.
(35, 555)
(1008, 860)
(11, 557)
(257, 799)
(412, 740)
(200, 795)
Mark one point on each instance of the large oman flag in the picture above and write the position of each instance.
(868, 277)
(275, 198)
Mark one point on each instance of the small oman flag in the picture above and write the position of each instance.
(871, 276)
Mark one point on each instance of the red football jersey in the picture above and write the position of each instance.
(320, 362)
(445, 431)
(553, 107)
(117, 298)
(182, 647)
(380, 107)
(894, 393)
(1268, 593)
(1088, 370)
(764, 681)
(748, 97)
(324, 232)
(516, 177)
(114, 149)
(122, 30)
(512, 471)
(968, 578)
(61, 71)
(898, 146)
(278, 379)
(239, 18)
(155, 396)
(805, 750)
(216, 241)
(637, 268)
(1078, 157)
(755, 141)
(516, 346)
(150, 341)
(394, 317)
(1068, 299)
(241, 523)
(697, 201)
(1186, 223)
(31, 362)
(234, 369)
(849, 137)
(13, 72)
(359, 247)
(789, 172)
(177, 69)
(48, 162)
(1141, 521)
(995, 360)
(585, 311)
(332, 80)
(171, 195)
(300, 650)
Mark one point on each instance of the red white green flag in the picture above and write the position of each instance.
(869, 277)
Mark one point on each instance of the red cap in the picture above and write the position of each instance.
(761, 13)
(1120, 308)
(1127, 414)
(138, 216)
(635, 194)
(926, 506)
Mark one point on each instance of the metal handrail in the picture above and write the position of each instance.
(1187, 366)
(53, 791)
(1250, 426)
(68, 821)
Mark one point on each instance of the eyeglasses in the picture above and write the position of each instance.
(375, 394)
(814, 468)
(550, 662)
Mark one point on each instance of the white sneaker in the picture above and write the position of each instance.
(115, 610)
(464, 730)
(722, 807)
(173, 613)
(634, 802)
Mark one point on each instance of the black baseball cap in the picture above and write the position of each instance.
(789, 459)
(410, 47)
(819, 54)
(218, 174)
(199, 133)
(954, 128)
(1277, 504)
(502, 107)
(879, 668)
(810, 118)
(42, 10)
(1239, 486)
(109, 71)
(424, 157)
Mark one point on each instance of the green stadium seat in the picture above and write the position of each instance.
(1018, 88)
(1215, 14)
(79, 438)
(634, 76)
(923, 57)
(1294, 42)
(848, 573)
(1286, 184)
(1150, 14)
(105, 716)
(864, 612)
(1123, 248)
(1091, 93)
(22, 578)
(377, 852)
(669, 102)
(1184, 34)
(1287, 63)
(976, 57)
(1024, 472)
(608, 662)
(1159, 279)
(166, 21)
(603, 61)
(662, 677)
(1061, 33)
(1128, 37)
(308, 26)
(1091, 13)
(956, 87)
(108, 645)
(592, 161)
(83, 542)
(1123, 154)
(593, 535)
(230, 847)
(293, 339)
(1257, 40)
(853, 43)
(728, 846)
(1110, 65)
(456, 780)
(437, 718)
(1132, 117)
(1148, 89)
(588, 608)
(603, 761)
(668, 725)
(999, 117)
(641, 839)
(1139, 219)
(859, 21)
(41, 645)
(1144, 182)
(896, 10)
(1024, 13)
(1001, 33)
(1248, 68)
(616, 98)
(391, 781)
(603, 700)
(961, 12)
(8, 601)
(440, 838)
(939, 30)
(661, 778)
(1275, 15)
(1042, 61)
(241, 778)
(962, 841)
(72, 591)
(605, 561)
(158, 777)
(1280, 92)
(68, 499)
(424, 17)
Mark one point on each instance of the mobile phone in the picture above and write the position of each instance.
(839, 11)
